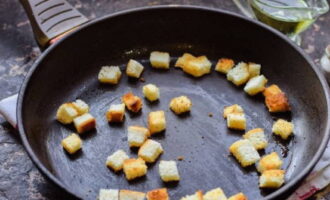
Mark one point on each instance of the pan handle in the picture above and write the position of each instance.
(51, 19)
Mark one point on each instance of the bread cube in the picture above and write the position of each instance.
(215, 194)
(244, 152)
(254, 69)
(276, 100)
(232, 109)
(239, 196)
(158, 194)
(116, 160)
(197, 67)
(156, 121)
(168, 171)
(109, 74)
(268, 162)
(84, 123)
(236, 121)
(151, 92)
(137, 135)
(80, 106)
(224, 65)
(273, 178)
(239, 74)
(160, 60)
(255, 85)
(108, 194)
(180, 105)
(66, 113)
(72, 143)
(197, 196)
(257, 138)
(150, 151)
(134, 168)
(283, 128)
(183, 60)
(134, 69)
(132, 102)
(131, 195)
(116, 113)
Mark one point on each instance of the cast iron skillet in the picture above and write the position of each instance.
(68, 70)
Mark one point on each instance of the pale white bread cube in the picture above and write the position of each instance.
(197, 196)
(81, 106)
(254, 69)
(66, 113)
(181, 104)
(239, 74)
(160, 60)
(132, 102)
(257, 138)
(255, 85)
(198, 66)
(134, 168)
(215, 194)
(150, 151)
(183, 60)
(84, 123)
(137, 135)
(168, 171)
(108, 194)
(72, 143)
(134, 69)
(268, 162)
(131, 195)
(151, 92)
(224, 65)
(232, 109)
(244, 152)
(156, 121)
(239, 196)
(109, 74)
(273, 178)
(283, 128)
(236, 121)
(158, 194)
(116, 160)
(116, 113)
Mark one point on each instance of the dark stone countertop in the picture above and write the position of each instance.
(19, 178)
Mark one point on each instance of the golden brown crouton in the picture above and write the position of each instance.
(180, 105)
(134, 168)
(276, 100)
(224, 65)
(84, 123)
(133, 103)
(72, 143)
(239, 196)
(272, 178)
(232, 109)
(183, 60)
(268, 162)
(156, 121)
(283, 128)
(197, 67)
(116, 113)
(158, 194)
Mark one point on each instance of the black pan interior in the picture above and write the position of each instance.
(70, 69)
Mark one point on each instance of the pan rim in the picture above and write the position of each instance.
(293, 182)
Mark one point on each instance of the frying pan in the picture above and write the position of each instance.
(68, 70)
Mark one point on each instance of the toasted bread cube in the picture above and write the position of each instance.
(180, 105)
(215, 194)
(137, 135)
(134, 168)
(160, 60)
(150, 151)
(254, 69)
(197, 196)
(255, 85)
(273, 178)
(116, 160)
(131, 195)
(156, 121)
(168, 171)
(257, 138)
(158, 194)
(283, 128)
(232, 109)
(72, 143)
(132, 102)
(239, 196)
(183, 60)
(66, 113)
(116, 113)
(108, 194)
(109, 74)
(197, 67)
(268, 162)
(224, 65)
(276, 100)
(134, 69)
(151, 92)
(84, 123)
(80, 106)
(239, 74)
(244, 152)
(236, 121)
